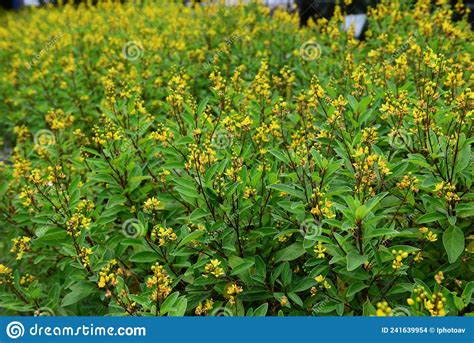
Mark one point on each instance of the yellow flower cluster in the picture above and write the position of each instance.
(26, 279)
(323, 283)
(6, 276)
(203, 308)
(285, 237)
(232, 291)
(164, 235)
(399, 256)
(84, 256)
(409, 182)
(201, 158)
(369, 135)
(321, 206)
(108, 274)
(22, 133)
(366, 166)
(396, 106)
(261, 83)
(249, 192)
(213, 268)
(435, 303)
(27, 194)
(428, 234)
(20, 246)
(76, 223)
(320, 250)
(58, 120)
(21, 166)
(448, 191)
(161, 283)
(152, 205)
(383, 310)
(177, 87)
(107, 132)
(163, 135)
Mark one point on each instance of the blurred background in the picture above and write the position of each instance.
(306, 9)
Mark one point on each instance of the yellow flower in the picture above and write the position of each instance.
(164, 235)
(232, 291)
(160, 282)
(399, 256)
(20, 246)
(320, 250)
(319, 278)
(203, 309)
(383, 310)
(152, 204)
(439, 277)
(213, 268)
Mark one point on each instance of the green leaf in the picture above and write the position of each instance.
(168, 303)
(290, 253)
(242, 267)
(192, 236)
(354, 260)
(453, 241)
(261, 311)
(179, 308)
(144, 256)
(295, 298)
(354, 288)
(289, 190)
(197, 214)
(79, 291)
(279, 155)
(430, 217)
(467, 293)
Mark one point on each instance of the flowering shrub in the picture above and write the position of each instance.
(170, 160)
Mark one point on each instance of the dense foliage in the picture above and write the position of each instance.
(169, 160)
